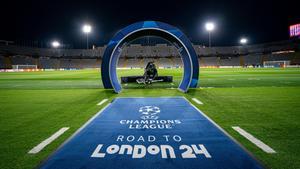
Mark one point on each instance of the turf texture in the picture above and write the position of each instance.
(264, 102)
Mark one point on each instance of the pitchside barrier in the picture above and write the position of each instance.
(150, 133)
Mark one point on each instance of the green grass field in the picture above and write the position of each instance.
(264, 102)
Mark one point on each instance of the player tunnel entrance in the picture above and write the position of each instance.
(149, 28)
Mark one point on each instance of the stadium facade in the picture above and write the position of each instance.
(277, 54)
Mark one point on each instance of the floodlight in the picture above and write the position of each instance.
(55, 44)
(243, 41)
(209, 26)
(87, 28)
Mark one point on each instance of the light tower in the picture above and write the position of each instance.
(209, 26)
(87, 29)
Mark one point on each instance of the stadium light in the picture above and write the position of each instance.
(209, 26)
(87, 29)
(55, 44)
(243, 41)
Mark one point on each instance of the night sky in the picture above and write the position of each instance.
(260, 21)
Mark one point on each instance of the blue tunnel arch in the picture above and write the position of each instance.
(149, 28)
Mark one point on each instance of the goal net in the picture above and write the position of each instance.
(24, 66)
(279, 63)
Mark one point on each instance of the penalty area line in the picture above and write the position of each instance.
(103, 101)
(254, 140)
(44, 143)
(197, 101)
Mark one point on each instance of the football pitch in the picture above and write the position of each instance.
(264, 102)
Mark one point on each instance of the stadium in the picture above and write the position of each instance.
(150, 96)
(274, 54)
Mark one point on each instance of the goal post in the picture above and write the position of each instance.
(276, 63)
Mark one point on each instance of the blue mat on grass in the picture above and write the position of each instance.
(150, 133)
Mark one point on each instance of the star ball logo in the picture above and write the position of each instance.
(149, 112)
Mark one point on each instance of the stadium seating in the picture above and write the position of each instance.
(209, 61)
(253, 59)
(49, 63)
(137, 56)
(2, 65)
(230, 61)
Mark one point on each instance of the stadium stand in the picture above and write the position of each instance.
(229, 61)
(136, 56)
(2, 65)
(49, 63)
(209, 61)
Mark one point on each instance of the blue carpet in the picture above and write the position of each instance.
(150, 133)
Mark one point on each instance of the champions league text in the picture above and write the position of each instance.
(150, 124)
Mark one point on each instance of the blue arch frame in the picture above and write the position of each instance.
(146, 28)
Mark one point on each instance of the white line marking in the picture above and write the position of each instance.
(253, 79)
(44, 143)
(206, 87)
(221, 129)
(103, 101)
(171, 88)
(82, 127)
(197, 101)
(254, 140)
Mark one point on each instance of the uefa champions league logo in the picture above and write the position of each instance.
(149, 112)
(149, 119)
